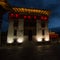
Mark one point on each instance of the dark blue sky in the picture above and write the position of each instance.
(52, 5)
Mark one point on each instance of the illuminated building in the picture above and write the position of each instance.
(28, 24)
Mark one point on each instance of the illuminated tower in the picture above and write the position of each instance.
(42, 29)
(16, 29)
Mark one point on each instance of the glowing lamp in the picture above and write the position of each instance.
(44, 18)
(17, 15)
(29, 17)
(12, 15)
(10, 41)
(39, 38)
(35, 17)
(20, 40)
(25, 17)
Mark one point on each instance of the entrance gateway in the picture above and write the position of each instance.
(28, 24)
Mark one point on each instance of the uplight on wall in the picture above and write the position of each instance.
(39, 39)
(47, 38)
(10, 41)
(20, 40)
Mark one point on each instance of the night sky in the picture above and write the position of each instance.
(52, 5)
